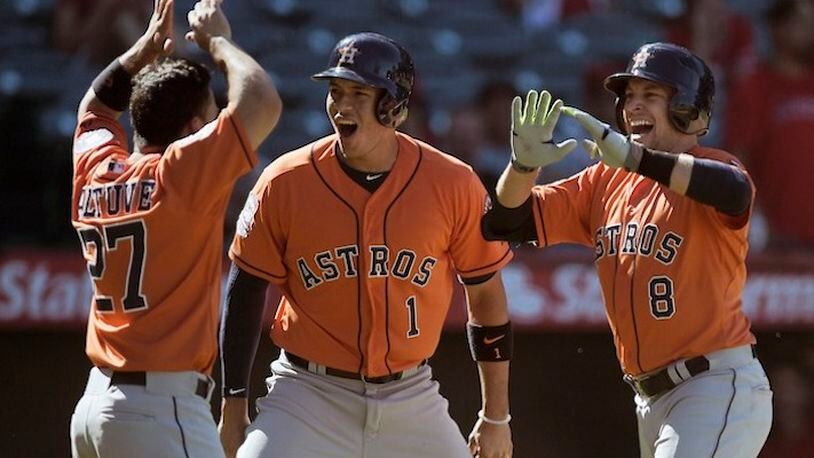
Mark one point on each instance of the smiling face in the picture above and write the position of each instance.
(351, 107)
(646, 117)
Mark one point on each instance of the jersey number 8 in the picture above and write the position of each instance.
(662, 303)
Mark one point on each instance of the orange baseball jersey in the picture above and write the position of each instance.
(152, 233)
(367, 279)
(672, 270)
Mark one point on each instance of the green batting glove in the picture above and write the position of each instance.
(532, 129)
(611, 147)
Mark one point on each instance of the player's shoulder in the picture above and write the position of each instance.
(96, 132)
(716, 154)
(436, 160)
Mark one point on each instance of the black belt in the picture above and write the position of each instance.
(140, 378)
(303, 363)
(660, 382)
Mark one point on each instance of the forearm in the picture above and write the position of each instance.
(251, 93)
(514, 187)
(131, 61)
(109, 94)
(490, 339)
(494, 385)
(707, 181)
(240, 330)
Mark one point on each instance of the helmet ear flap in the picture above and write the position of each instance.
(390, 112)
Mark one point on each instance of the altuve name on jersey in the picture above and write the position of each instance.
(116, 198)
(614, 239)
(329, 265)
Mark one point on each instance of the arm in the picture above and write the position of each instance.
(239, 336)
(252, 95)
(487, 312)
(707, 181)
(510, 224)
(110, 92)
(532, 147)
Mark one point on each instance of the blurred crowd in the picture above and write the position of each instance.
(762, 57)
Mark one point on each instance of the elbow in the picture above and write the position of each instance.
(267, 97)
(735, 198)
(488, 227)
(268, 101)
(740, 196)
(275, 106)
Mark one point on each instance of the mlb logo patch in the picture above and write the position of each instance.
(116, 167)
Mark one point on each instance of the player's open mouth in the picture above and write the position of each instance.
(346, 128)
(640, 127)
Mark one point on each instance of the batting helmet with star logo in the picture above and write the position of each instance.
(678, 68)
(378, 61)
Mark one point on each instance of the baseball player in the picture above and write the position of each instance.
(668, 221)
(150, 224)
(364, 232)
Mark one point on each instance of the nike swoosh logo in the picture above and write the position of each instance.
(236, 391)
(489, 341)
(373, 177)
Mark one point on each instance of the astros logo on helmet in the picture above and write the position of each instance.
(375, 60)
(677, 68)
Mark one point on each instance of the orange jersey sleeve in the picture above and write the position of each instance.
(672, 270)
(152, 233)
(367, 278)
(562, 209)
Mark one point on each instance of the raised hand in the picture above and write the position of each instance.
(155, 42)
(159, 30)
(611, 147)
(206, 19)
(532, 130)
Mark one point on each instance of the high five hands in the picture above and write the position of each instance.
(611, 147)
(532, 129)
(533, 126)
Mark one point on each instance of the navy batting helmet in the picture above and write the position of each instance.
(678, 68)
(378, 61)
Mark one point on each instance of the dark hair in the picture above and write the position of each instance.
(166, 95)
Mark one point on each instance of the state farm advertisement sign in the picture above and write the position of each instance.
(52, 290)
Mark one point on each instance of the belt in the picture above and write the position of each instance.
(661, 382)
(140, 379)
(318, 368)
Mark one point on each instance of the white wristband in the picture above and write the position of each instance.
(486, 419)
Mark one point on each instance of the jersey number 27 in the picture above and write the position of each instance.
(108, 239)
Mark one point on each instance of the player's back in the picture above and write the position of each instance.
(152, 231)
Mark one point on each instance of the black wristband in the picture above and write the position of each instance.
(490, 343)
(113, 86)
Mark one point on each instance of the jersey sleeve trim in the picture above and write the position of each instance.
(489, 268)
(241, 137)
(256, 271)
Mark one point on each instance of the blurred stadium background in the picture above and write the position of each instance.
(568, 399)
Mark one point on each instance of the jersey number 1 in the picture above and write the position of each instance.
(108, 240)
(412, 314)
